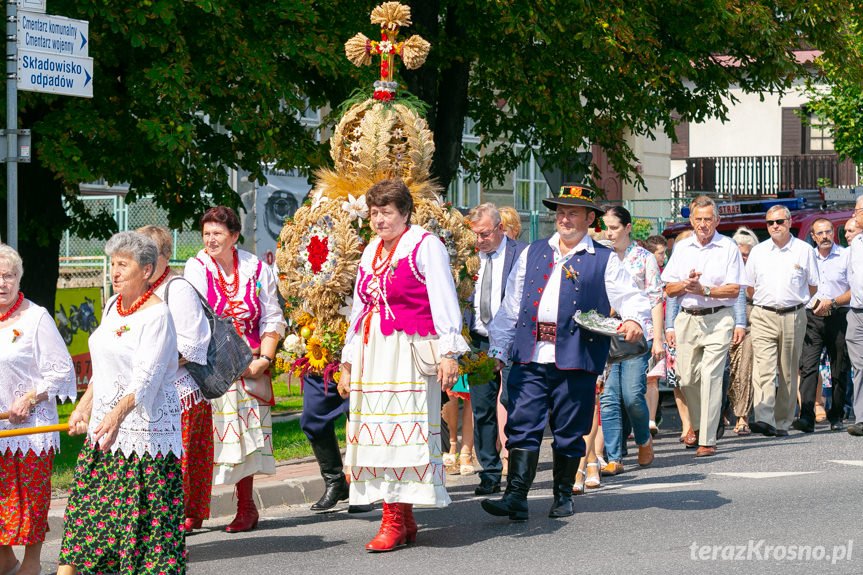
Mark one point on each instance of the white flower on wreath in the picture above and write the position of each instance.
(317, 199)
(355, 148)
(358, 131)
(356, 208)
(397, 134)
(294, 345)
(345, 310)
(385, 47)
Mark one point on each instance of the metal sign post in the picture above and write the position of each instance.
(11, 124)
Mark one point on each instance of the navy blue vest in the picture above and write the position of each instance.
(583, 290)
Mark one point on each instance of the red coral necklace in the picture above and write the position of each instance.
(12, 309)
(140, 301)
(380, 264)
(229, 289)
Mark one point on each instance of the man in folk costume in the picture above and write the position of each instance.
(555, 362)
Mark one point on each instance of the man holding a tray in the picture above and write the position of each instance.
(555, 362)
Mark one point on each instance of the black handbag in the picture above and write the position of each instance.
(621, 350)
(228, 355)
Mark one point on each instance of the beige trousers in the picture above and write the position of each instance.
(777, 340)
(702, 348)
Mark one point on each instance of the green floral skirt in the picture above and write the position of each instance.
(125, 515)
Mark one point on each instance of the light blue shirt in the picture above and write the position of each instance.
(855, 272)
(832, 273)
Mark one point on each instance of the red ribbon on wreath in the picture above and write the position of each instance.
(318, 252)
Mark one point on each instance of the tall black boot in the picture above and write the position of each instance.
(330, 461)
(522, 471)
(563, 471)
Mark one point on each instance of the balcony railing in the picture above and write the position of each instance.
(735, 176)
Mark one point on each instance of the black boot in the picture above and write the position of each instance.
(522, 470)
(330, 461)
(563, 471)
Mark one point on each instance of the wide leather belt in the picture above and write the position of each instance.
(703, 310)
(781, 310)
(546, 331)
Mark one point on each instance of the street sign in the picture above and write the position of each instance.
(32, 5)
(53, 34)
(55, 74)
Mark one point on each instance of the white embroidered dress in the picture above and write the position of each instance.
(393, 434)
(193, 335)
(33, 355)
(137, 355)
(242, 428)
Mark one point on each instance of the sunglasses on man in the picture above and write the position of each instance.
(777, 222)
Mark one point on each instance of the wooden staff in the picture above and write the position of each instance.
(32, 430)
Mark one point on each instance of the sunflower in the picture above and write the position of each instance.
(317, 354)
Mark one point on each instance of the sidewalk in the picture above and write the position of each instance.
(295, 483)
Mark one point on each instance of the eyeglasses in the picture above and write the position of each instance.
(8, 278)
(824, 233)
(484, 235)
(777, 222)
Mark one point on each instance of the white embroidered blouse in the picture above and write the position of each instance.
(193, 334)
(137, 355)
(433, 263)
(33, 355)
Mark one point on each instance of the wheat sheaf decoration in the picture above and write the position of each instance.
(377, 137)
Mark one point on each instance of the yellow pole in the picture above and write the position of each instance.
(32, 430)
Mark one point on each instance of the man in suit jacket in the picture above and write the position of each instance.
(497, 255)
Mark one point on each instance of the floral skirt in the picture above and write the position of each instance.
(25, 496)
(198, 459)
(125, 515)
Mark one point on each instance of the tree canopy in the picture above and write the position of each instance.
(185, 90)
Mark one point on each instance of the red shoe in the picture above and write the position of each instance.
(247, 513)
(410, 522)
(392, 532)
(192, 523)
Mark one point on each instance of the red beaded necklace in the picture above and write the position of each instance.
(12, 309)
(140, 301)
(229, 289)
(380, 265)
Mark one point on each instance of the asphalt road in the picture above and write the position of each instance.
(758, 506)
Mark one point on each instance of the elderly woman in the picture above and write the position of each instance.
(627, 380)
(238, 285)
(193, 338)
(125, 508)
(740, 353)
(37, 371)
(393, 309)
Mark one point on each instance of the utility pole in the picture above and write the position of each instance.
(12, 123)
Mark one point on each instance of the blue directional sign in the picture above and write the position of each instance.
(53, 34)
(55, 74)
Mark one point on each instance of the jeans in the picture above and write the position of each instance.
(625, 388)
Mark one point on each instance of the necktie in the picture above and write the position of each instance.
(485, 293)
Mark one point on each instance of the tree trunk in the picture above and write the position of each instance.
(41, 222)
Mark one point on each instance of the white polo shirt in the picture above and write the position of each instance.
(855, 271)
(781, 276)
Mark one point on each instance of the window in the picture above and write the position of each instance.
(820, 140)
(529, 185)
(463, 191)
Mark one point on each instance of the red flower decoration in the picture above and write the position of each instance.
(539, 290)
(545, 277)
(318, 252)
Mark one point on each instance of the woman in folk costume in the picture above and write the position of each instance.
(193, 338)
(37, 371)
(393, 434)
(238, 285)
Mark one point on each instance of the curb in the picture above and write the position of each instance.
(268, 493)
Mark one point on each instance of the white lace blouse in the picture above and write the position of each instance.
(193, 334)
(33, 355)
(137, 355)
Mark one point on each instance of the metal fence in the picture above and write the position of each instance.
(132, 216)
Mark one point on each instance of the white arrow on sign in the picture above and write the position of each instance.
(53, 34)
(55, 74)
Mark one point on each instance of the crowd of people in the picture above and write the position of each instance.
(731, 324)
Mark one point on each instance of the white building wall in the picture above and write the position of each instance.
(653, 156)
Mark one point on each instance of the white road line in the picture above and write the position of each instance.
(857, 462)
(764, 474)
(652, 486)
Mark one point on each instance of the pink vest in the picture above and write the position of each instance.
(403, 302)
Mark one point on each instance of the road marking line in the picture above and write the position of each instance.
(652, 486)
(858, 463)
(764, 474)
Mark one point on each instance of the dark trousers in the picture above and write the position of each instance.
(483, 402)
(824, 332)
(321, 407)
(540, 393)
